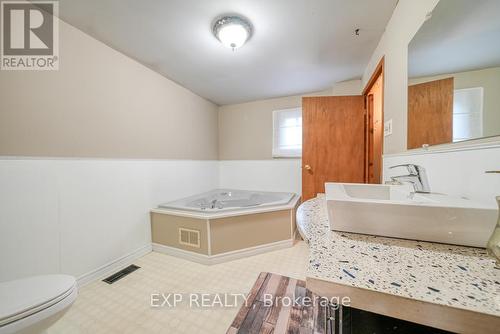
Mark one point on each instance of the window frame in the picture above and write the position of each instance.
(277, 151)
(478, 114)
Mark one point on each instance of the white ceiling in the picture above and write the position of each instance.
(461, 35)
(298, 46)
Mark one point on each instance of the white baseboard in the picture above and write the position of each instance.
(223, 257)
(113, 266)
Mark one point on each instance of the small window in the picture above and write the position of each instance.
(467, 113)
(287, 133)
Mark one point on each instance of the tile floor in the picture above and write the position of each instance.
(124, 307)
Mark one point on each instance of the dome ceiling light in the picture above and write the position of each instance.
(232, 31)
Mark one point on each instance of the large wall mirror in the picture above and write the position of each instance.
(454, 74)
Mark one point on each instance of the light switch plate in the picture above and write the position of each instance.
(388, 128)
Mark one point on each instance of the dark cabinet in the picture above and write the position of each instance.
(347, 320)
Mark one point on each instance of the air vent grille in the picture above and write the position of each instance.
(122, 273)
(189, 237)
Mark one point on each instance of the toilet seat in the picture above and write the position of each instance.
(26, 301)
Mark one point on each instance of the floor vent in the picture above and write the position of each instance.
(189, 237)
(122, 273)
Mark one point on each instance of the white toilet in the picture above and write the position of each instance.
(31, 305)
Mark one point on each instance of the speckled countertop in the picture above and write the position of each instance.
(461, 277)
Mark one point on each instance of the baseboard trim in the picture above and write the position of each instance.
(223, 257)
(113, 266)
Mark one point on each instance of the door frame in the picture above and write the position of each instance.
(379, 71)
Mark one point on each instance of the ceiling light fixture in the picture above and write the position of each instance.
(232, 31)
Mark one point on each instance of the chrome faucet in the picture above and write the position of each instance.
(213, 203)
(416, 176)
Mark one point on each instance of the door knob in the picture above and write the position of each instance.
(307, 167)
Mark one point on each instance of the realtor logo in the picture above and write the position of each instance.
(29, 35)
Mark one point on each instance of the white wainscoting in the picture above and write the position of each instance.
(87, 216)
(81, 216)
(265, 175)
(456, 171)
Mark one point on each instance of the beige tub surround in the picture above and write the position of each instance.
(454, 288)
(216, 237)
(165, 230)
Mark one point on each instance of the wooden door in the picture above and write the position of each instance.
(333, 142)
(430, 113)
(370, 138)
(374, 132)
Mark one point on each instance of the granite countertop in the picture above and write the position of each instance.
(456, 276)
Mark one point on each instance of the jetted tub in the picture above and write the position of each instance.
(224, 224)
(223, 200)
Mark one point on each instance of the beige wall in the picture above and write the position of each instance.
(246, 129)
(489, 79)
(102, 104)
(350, 87)
(404, 23)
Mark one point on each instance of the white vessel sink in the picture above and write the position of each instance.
(394, 211)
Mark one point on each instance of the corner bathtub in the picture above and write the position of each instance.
(229, 200)
(224, 224)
